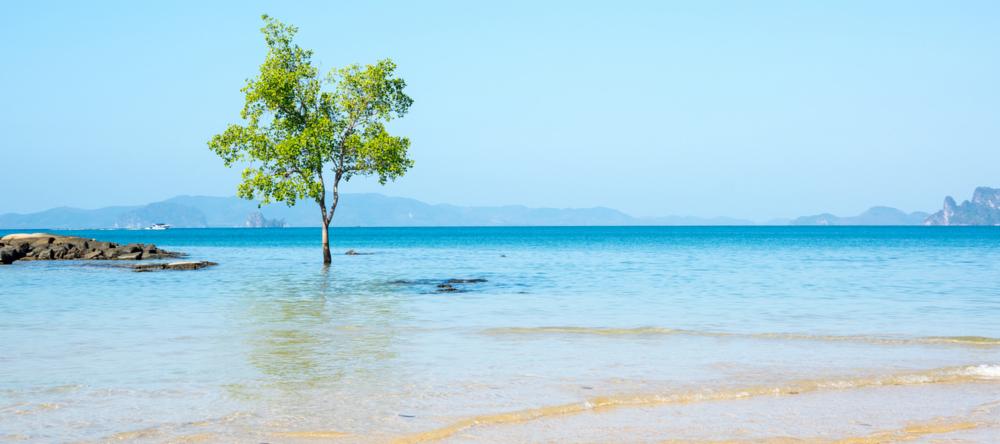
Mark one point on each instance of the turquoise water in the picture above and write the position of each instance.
(270, 346)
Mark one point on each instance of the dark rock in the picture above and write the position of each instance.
(189, 265)
(42, 243)
(351, 253)
(465, 281)
(9, 254)
(173, 266)
(130, 256)
(446, 286)
(66, 251)
(72, 242)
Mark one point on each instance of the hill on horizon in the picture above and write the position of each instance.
(377, 210)
(362, 209)
(983, 209)
(873, 216)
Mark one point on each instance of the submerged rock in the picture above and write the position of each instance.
(453, 285)
(456, 285)
(465, 281)
(45, 247)
(185, 265)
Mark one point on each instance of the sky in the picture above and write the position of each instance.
(756, 110)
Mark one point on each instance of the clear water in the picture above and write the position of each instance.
(270, 346)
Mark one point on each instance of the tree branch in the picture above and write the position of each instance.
(336, 198)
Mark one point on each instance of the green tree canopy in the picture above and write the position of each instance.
(298, 137)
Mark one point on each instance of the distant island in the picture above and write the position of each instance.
(364, 210)
(983, 209)
(376, 210)
(873, 216)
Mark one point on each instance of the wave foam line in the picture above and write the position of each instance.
(909, 433)
(913, 432)
(651, 331)
(317, 434)
(951, 375)
(596, 331)
(166, 429)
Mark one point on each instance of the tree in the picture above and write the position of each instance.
(296, 134)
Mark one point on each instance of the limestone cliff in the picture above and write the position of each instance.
(983, 209)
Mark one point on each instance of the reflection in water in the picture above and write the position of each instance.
(317, 333)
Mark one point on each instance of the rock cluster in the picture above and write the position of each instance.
(44, 246)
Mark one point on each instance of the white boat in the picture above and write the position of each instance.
(158, 227)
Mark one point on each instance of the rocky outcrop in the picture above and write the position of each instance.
(257, 220)
(45, 246)
(983, 209)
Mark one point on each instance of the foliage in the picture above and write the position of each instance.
(296, 134)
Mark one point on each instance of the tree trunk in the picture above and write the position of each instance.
(327, 259)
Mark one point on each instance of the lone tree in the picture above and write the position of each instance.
(296, 135)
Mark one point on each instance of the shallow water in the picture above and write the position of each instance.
(595, 334)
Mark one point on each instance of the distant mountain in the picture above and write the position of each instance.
(174, 214)
(777, 221)
(354, 210)
(694, 221)
(64, 217)
(984, 209)
(873, 216)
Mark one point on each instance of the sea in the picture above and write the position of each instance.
(511, 334)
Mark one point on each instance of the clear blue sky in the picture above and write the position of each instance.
(746, 109)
